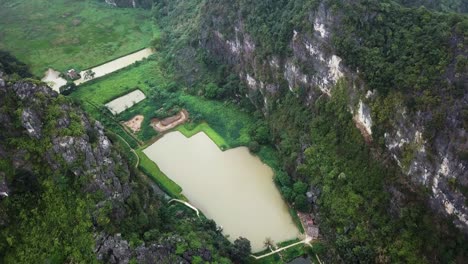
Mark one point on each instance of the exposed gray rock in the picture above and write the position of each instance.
(32, 123)
(28, 91)
(157, 253)
(97, 163)
(113, 249)
(314, 67)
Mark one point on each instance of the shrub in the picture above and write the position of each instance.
(254, 147)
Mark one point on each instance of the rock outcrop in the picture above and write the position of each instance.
(68, 141)
(314, 66)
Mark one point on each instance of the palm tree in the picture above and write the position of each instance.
(269, 243)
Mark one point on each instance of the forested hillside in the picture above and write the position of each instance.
(365, 101)
(440, 5)
(360, 107)
(69, 195)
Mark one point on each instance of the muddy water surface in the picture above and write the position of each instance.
(233, 187)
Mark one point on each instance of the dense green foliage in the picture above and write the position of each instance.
(56, 230)
(355, 203)
(441, 5)
(241, 250)
(10, 65)
(49, 218)
(406, 54)
(397, 48)
(410, 56)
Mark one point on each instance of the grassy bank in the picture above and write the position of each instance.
(71, 34)
(284, 256)
(152, 170)
(188, 130)
(230, 126)
(224, 123)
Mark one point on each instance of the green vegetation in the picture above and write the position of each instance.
(355, 209)
(412, 57)
(404, 49)
(10, 65)
(225, 118)
(65, 34)
(442, 5)
(402, 53)
(188, 130)
(51, 219)
(284, 256)
(151, 169)
(241, 250)
(56, 230)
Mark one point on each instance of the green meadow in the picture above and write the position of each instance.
(227, 120)
(71, 34)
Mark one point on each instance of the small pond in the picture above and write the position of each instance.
(233, 187)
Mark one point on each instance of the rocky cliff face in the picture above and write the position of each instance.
(63, 139)
(314, 66)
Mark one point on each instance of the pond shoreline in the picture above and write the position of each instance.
(212, 180)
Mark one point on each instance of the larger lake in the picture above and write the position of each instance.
(233, 187)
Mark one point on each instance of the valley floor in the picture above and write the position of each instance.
(226, 124)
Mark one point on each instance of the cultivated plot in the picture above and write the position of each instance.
(123, 103)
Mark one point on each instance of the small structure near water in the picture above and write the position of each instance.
(310, 228)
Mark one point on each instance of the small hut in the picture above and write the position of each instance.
(72, 74)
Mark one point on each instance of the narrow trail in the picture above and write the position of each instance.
(112, 118)
(131, 149)
(186, 204)
(305, 241)
(123, 139)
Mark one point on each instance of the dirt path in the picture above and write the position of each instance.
(131, 149)
(188, 205)
(306, 241)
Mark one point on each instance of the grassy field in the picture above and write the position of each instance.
(188, 131)
(227, 120)
(65, 34)
(225, 123)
